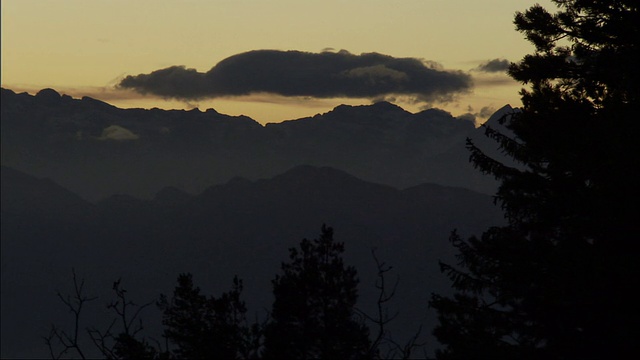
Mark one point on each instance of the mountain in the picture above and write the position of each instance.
(97, 150)
(148, 194)
(489, 146)
(241, 227)
(22, 193)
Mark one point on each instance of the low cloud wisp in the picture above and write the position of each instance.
(494, 66)
(296, 73)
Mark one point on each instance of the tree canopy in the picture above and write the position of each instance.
(207, 327)
(313, 315)
(556, 282)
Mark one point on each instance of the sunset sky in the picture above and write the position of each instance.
(86, 48)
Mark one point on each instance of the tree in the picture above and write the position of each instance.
(382, 318)
(313, 315)
(554, 283)
(69, 341)
(111, 344)
(125, 345)
(208, 328)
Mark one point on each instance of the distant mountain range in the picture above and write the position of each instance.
(97, 150)
(148, 194)
(242, 227)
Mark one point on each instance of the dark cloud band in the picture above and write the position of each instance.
(296, 73)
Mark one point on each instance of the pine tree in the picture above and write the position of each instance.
(313, 313)
(207, 327)
(556, 282)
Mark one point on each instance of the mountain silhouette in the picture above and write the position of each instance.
(97, 150)
(242, 227)
(24, 194)
(145, 195)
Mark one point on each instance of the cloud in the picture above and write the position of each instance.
(116, 132)
(484, 113)
(468, 117)
(487, 111)
(376, 73)
(303, 74)
(495, 65)
(174, 81)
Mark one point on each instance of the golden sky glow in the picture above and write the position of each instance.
(84, 47)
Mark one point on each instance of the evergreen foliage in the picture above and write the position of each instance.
(128, 347)
(313, 315)
(556, 282)
(206, 327)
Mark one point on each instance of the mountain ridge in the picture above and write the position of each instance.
(96, 149)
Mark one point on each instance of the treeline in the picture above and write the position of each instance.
(314, 316)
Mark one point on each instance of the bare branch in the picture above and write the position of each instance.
(121, 305)
(382, 317)
(99, 339)
(412, 344)
(75, 304)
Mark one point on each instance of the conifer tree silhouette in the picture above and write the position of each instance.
(313, 315)
(554, 282)
(207, 327)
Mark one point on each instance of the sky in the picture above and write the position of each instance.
(270, 60)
